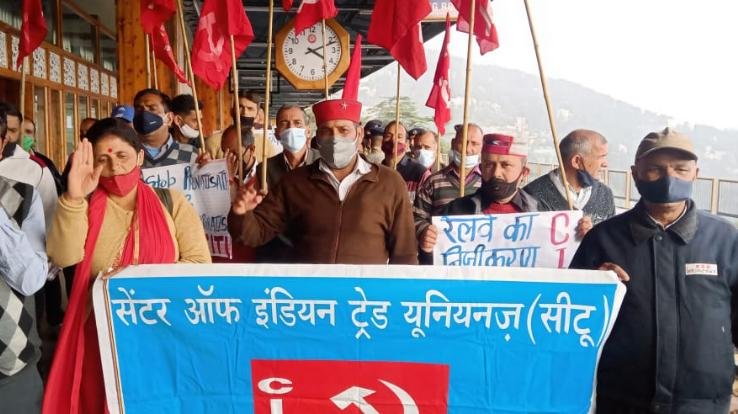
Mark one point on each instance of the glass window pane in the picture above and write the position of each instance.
(108, 52)
(10, 13)
(94, 112)
(69, 122)
(78, 36)
(56, 129)
(50, 16)
(83, 113)
(39, 118)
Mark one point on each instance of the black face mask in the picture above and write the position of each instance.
(585, 178)
(9, 150)
(497, 189)
(146, 122)
(246, 121)
(666, 189)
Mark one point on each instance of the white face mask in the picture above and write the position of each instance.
(425, 157)
(293, 139)
(189, 132)
(470, 161)
(338, 152)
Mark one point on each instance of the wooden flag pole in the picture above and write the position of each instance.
(267, 93)
(325, 62)
(438, 151)
(153, 65)
(148, 62)
(188, 61)
(235, 108)
(397, 119)
(549, 107)
(22, 97)
(467, 98)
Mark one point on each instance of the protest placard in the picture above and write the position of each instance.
(287, 339)
(207, 190)
(536, 239)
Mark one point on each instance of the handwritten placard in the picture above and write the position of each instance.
(207, 190)
(535, 239)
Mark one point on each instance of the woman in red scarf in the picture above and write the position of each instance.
(108, 218)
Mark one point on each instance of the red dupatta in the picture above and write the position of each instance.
(75, 384)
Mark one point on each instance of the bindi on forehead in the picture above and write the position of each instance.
(110, 150)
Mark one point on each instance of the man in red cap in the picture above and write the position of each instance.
(503, 167)
(341, 209)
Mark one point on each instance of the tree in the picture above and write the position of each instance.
(385, 111)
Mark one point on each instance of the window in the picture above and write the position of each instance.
(82, 108)
(39, 118)
(10, 13)
(107, 52)
(78, 35)
(70, 122)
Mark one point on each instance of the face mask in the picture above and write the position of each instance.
(666, 189)
(27, 142)
(425, 157)
(293, 139)
(470, 161)
(387, 148)
(120, 185)
(375, 157)
(246, 121)
(338, 152)
(585, 178)
(498, 189)
(146, 122)
(189, 132)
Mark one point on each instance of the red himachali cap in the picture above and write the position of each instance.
(504, 145)
(334, 109)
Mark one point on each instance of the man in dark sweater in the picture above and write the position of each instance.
(584, 153)
(503, 166)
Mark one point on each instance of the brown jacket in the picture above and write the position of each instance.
(373, 225)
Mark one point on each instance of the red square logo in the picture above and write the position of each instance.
(355, 387)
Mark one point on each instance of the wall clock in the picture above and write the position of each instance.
(299, 58)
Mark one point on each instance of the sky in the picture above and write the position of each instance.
(674, 57)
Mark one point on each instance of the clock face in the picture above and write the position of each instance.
(303, 54)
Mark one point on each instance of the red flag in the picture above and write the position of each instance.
(154, 13)
(163, 52)
(313, 11)
(484, 26)
(353, 75)
(211, 49)
(286, 5)
(395, 26)
(33, 29)
(441, 92)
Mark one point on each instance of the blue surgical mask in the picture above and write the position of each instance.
(146, 122)
(666, 189)
(585, 178)
(293, 139)
(470, 161)
(425, 157)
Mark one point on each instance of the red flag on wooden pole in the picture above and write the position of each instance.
(313, 11)
(395, 26)
(484, 26)
(154, 13)
(211, 57)
(33, 29)
(353, 75)
(163, 52)
(440, 94)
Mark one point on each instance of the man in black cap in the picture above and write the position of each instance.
(372, 145)
(671, 348)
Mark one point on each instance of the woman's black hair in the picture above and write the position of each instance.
(117, 127)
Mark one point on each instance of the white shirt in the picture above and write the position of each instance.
(20, 167)
(361, 169)
(578, 199)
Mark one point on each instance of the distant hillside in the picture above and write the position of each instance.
(509, 100)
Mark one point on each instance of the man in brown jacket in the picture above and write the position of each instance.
(338, 210)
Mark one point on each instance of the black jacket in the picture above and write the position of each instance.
(671, 349)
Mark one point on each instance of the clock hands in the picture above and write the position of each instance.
(315, 51)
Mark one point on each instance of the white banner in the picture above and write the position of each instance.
(536, 239)
(207, 190)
